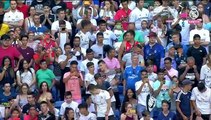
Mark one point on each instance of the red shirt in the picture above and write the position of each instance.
(11, 52)
(28, 117)
(24, 10)
(128, 46)
(120, 14)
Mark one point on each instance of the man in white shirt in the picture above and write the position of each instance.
(109, 36)
(14, 18)
(201, 101)
(55, 25)
(90, 58)
(102, 100)
(143, 88)
(139, 14)
(84, 113)
(204, 34)
(86, 39)
(205, 73)
(68, 103)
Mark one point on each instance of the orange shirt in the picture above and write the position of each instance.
(73, 85)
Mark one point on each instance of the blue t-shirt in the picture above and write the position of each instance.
(5, 99)
(170, 116)
(132, 75)
(185, 106)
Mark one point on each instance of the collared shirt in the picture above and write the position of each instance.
(84, 39)
(120, 14)
(13, 16)
(38, 30)
(112, 63)
(109, 37)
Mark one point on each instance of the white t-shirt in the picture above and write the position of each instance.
(80, 17)
(73, 105)
(100, 101)
(90, 116)
(64, 57)
(97, 50)
(63, 39)
(13, 16)
(137, 16)
(203, 100)
(204, 34)
(90, 78)
(205, 75)
(55, 25)
(85, 69)
(84, 39)
(145, 91)
(93, 21)
(109, 37)
(152, 76)
(131, 5)
(91, 108)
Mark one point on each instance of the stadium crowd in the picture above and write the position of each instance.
(105, 60)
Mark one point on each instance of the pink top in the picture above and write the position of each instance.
(12, 52)
(28, 117)
(172, 72)
(73, 85)
(112, 63)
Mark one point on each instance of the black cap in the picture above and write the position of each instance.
(5, 37)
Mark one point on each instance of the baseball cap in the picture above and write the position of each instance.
(187, 82)
(152, 34)
(5, 37)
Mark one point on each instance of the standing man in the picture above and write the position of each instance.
(14, 18)
(139, 14)
(205, 73)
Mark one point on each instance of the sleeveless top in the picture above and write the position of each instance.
(129, 118)
(128, 46)
(30, 22)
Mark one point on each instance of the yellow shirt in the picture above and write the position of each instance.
(4, 29)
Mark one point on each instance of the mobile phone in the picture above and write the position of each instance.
(132, 111)
(63, 29)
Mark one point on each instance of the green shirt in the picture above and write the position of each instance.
(139, 36)
(45, 75)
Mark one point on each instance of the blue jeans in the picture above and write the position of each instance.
(55, 93)
(140, 108)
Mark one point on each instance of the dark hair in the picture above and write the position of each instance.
(101, 61)
(67, 93)
(41, 61)
(168, 58)
(74, 62)
(132, 32)
(5, 37)
(83, 105)
(85, 23)
(24, 36)
(99, 34)
(89, 50)
(126, 99)
(91, 87)
(20, 67)
(67, 44)
(124, 106)
(101, 22)
(1, 5)
(46, 4)
(62, 22)
(41, 87)
(89, 64)
(166, 102)
(124, 1)
(9, 69)
(201, 86)
(97, 76)
(30, 9)
(67, 109)
(76, 37)
(145, 113)
(87, 96)
(161, 71)
(60, 10)
(24, 84)
(196, 36)
(144, 70)
(31, 93)
(43, 102)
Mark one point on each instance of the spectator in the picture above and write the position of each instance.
(33, 42)
(84, 113)
(39, 5)
(200, 99)
(197, 51)
(201, 8)
(29, 21)
(26, 51)
(205, 72)
(143, 88)
(170, 71)
(69, 103)
(32, 114)
(91, 106)
(129, 113)
(21, 98)
(69, 114)
(6, 49)
(2, 12)
(31, 103)
(22, 7)
(55, 25)
(102, 100)
(13, 17)
(123, 14)
(6, 94)
(127, 61)
(146, 116)
(130, 97)
(153, 50)
(47, 113)
(73, 81)
(84, 34)
(7, 74)
(132, 73)
(15, 114)
(4, 28)
(180, 57)
(98, 47)
(47, 18)
(58, 4)
(183, 102)
(78, 51)
(139, 11)
(90, 58)
(89, 77)
(44, 92)
(166, 114)
(152, 76)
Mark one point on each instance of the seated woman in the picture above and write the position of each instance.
(130, 97)
(129, 113)
(45, 93)
(21, 98)
(69, 114)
